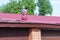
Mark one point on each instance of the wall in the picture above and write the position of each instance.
(13, 34)
(50, 34)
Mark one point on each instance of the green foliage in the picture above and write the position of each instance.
(0, 9)
(15, 6)
(11, 7)
(45, 7)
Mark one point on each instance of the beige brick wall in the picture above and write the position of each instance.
(35, 34)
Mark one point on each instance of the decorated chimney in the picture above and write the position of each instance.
(24, 13)
(36, 10)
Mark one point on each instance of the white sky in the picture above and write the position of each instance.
(55, 5)
(3, 2)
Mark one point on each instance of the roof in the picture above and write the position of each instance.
(16, 18)
(31, 18)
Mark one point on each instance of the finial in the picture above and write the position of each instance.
(24, 13)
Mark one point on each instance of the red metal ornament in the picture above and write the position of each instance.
(24, 14)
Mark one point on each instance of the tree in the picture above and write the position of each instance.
(45, 7)
(15, 6)
(11, 7)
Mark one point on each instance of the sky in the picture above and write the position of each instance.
(55, 4)
(3, 2)
(56, 7)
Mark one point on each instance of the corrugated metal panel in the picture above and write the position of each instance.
(13, 34)
(31, 18)
(50, 34)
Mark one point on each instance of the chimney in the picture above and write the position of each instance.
(36, 11)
